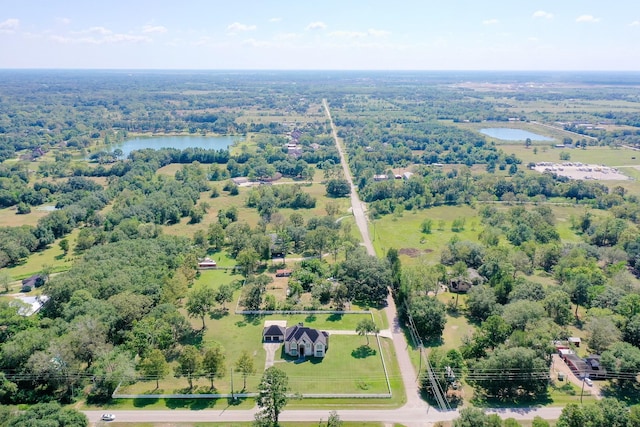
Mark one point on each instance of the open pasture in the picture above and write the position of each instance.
(607, 156)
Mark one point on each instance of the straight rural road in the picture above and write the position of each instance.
(356, 205)
(409, 377)
(410, 417)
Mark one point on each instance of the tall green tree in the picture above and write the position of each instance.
(200, 303)
(365, 327)
(189, 364)
(224, 295)
(272, 395)
(429, 317)
(601, 333)
(623, 360)
(245, 366)
(213, 363)
(48, 415)
(155, 365)
(519, 369)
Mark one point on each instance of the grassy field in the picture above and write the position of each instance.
(9, 218)
(613, 157)
(404, 233)
(52, 256)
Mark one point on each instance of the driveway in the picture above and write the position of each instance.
(271, 349)
(559, 365)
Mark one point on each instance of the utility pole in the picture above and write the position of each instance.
(584, 376)
(232, 396)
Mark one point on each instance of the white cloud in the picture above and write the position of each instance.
(275, 19)
(238, 27)
(9, 25)
(542, 14)
(533, 39)
(378, 33)
(359, 34)
(95, 30)
(318, 25)
(100, 35)
(154, 29)
(635, 24)
(490, 22)
(587, 18)
(63, 21)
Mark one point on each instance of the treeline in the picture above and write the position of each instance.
(116, 302)
(433, 187)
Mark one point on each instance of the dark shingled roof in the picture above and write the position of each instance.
(296, 332)
(274, 330)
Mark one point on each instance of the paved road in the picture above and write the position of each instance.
(564, 130)
(410, 417)
(356, 205)
(409, 377)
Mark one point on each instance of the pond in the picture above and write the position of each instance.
(509, 134)
(177, 142)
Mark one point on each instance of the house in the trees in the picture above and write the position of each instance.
(284, 272)
(34, 281)
(207, 263)
(463, 284)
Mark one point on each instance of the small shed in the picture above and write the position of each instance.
(207, 263)
(575, 341)
(283, 273)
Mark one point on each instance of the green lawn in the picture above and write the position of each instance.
(404, 233)
(349, 366)
(52, 256)
(237, 333)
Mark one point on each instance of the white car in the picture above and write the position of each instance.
(588, 381)
(108, 417)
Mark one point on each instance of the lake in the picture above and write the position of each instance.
(509, 134)
(178, 142)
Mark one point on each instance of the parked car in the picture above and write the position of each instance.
(588, 381)
(108, 417)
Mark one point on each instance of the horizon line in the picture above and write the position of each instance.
(324, 70)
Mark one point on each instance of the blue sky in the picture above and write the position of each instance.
(327, 34)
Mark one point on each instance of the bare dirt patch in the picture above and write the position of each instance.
(413, 252)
